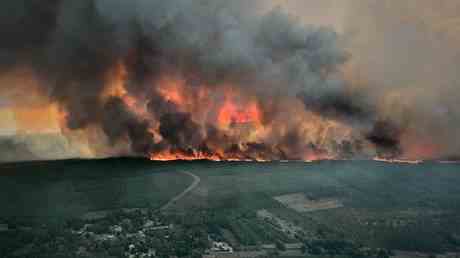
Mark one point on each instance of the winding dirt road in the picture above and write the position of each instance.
(195, 183)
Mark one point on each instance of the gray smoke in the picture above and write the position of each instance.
(409, 52)
(74, 44)
(406, 58)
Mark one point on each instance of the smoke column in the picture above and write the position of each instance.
(235, 80)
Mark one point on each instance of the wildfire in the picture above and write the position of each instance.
(172, 90)
(311, 157)
(237, 117)
(228, 122)
(197, 155)
(417, 147)
(117, 78)
(231, 113)
(170, 156)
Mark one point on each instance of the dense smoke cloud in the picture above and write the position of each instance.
(296, 74)
(119, 122)
(409, 52)
(405, 59)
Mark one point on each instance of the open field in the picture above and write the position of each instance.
(299, 202)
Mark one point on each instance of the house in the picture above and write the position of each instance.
(221, 247)
(269, 247)
(291, 246)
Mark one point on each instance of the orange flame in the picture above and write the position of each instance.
(238, 110)
(172, 90)
(196, 155)
(230, 113)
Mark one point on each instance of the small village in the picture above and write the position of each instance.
(143, 233)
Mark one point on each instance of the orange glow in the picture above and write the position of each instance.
(231, 124)
(230, 114)
(226, 107)
(40, 119)
(421, 150)
(172, 90)
(197, 155)
(116, 77)
(417, 146)
(310, 157)
(237, 110)
(170, 156)
(193, 100)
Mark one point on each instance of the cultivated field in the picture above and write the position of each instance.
(396, 206)
(299, 202)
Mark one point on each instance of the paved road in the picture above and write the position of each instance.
(195, 183)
